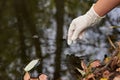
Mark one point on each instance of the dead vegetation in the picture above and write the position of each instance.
(108, 69)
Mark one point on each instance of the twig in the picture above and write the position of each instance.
(111, 43)
(115, 27)
(104, 67)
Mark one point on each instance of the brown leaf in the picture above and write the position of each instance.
(43, 77)
(106, 74)
(26, 76)
(90, 76)
(118, 69)
(117, 77)
(118, 44)
(114, 62)
(95, 64)
(83, 65)
(33, 78)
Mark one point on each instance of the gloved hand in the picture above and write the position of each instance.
(79, 24)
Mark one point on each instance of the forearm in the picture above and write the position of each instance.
(102, 7)
(93, 16)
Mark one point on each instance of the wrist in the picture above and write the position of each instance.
(93, 16)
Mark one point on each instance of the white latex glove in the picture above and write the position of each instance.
(79, 24)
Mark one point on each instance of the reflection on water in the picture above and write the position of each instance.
(28, 31)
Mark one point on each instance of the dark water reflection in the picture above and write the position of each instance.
(32, 29)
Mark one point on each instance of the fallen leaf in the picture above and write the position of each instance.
(81, 71)
(26, 76)
(117, 77)
(33, 79)
(43, 77)
(106, 60)
(118, 69)
(83, 65)
(114, 62)
(103, 79)
(31, 65)
(118, 44)
(90, 76)
(106, 74)
(95, 64)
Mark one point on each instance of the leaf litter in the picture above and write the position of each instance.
(108, 69)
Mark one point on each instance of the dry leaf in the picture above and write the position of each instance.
(83, 65)
(26, 76)
(117, 77)
(90, 76)
(114, 62)
(106, 74)
(95, 64)
(31, 65)
(82, 72)
(43, 77)
(106, 60)
(33, 79)
(118, 44)
(103, 79)
(118, 69)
